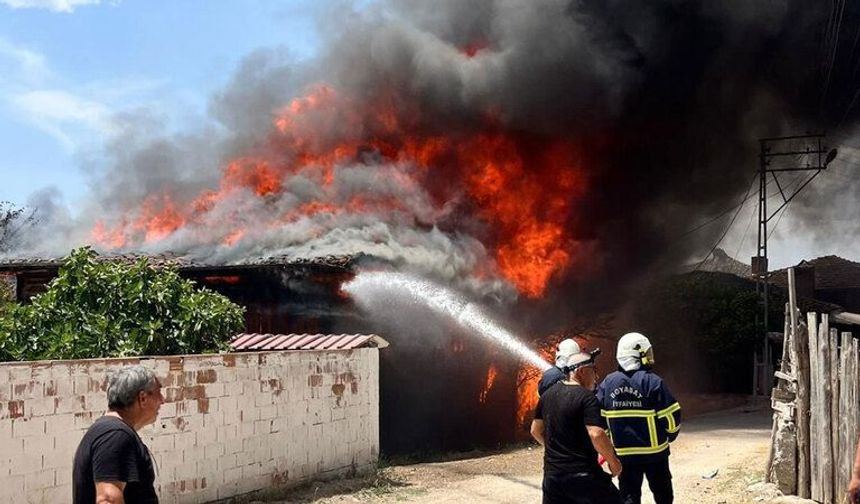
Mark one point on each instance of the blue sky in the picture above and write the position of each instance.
(66, 66)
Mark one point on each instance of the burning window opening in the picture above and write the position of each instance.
(458, 346)
(491, 380)
(222, 279)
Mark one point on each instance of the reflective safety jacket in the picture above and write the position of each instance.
(642, 415)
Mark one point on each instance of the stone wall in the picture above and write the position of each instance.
(232, 424)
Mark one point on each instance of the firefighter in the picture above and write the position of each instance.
(643, 418)
(555, 374)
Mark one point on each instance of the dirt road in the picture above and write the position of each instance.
(733, 444)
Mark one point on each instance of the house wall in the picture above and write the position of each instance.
(846, 298)
(231, 425)
(8, 286)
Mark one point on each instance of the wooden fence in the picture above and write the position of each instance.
(816, 403)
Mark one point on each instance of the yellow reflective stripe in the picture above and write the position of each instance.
(671, 427)
(646, 450)
(669, 414)
(671, 409)
(631, 413)
(652, 430)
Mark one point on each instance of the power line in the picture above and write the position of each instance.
(834, 48)
(733, 207)
(773, 229)
(794, 184)
(735, 216)
(724, 212)
(744, 237)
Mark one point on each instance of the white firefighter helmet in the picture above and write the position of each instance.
(566, 348)
(634, 351)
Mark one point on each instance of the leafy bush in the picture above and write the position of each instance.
(703, 327)
(98, 308)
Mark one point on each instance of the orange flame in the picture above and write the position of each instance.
(159, 218)
(474, 48)
(233, 237)
(110, 238)
(522, 188)
(224, 279)
(253, 174)
(528, 378)
(527, 395)
(491, 380)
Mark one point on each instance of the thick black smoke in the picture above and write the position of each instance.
(665, 98)
(668, 97)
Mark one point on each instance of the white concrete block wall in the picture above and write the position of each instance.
(232, 424)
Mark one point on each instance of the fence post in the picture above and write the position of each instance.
(823, 410)
(834, 411)
(845, 451)
(804, 369)
(854, 396)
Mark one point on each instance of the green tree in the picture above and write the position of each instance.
(101, 308)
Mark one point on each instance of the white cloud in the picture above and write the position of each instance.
(24, 64)
(75, 114)
(65, 116)
(53, 5)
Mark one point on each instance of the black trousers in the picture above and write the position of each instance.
(659, 480)
(579, 488)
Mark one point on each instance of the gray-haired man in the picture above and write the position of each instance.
(112, 465)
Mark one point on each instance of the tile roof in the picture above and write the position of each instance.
(257, 342)
(831, 272)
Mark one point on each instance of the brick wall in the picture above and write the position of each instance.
(232, 424)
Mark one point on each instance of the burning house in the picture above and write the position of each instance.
(441, 391)
(541, 157)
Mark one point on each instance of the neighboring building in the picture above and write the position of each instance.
(828, 284)
(830, 279)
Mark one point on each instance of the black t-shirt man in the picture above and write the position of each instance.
(571, 474)
(112, 451)
(566, 409)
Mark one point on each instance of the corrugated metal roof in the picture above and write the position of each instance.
(257, 342)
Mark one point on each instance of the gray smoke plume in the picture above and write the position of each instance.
(663, 100)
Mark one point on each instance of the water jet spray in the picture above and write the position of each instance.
(442, 301)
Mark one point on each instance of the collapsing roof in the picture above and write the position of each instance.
(258, 342)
